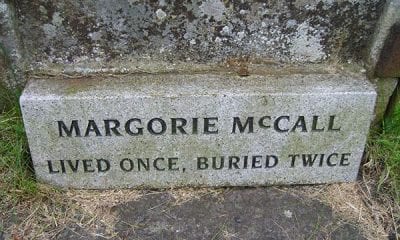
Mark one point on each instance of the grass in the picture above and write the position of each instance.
(16, 175)
(384, 149)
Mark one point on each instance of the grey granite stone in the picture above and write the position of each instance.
(385, 88)
(70, 32)
(11, 60)
(389, 18)
(307, 118)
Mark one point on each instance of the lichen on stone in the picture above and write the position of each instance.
(306, 31)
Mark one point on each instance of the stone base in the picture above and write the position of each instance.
(197, 130)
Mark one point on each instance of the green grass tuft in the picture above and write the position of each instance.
(16, 175)
(385, 147)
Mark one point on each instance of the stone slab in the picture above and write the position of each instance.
(174, 130)
(194, 31)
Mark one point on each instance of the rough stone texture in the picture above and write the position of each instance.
(86, 37)
(10, 55)
(349, 97)
(384, 56)
(385, 87)
(263, 213)
(384, 41)
(389, 60)
(8, 35)
(57, 37)
(195, 31)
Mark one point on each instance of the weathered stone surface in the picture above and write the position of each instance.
(11, 60)
(68, 32)
(297, 118)
(389, 61)
(384, 52)
(385, 88)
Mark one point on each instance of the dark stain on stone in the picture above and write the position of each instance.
(388, 64)
(343, 29)
(179, 7)
(354, 34)
(80, 25)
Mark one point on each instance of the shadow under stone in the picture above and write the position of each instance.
(252, 213)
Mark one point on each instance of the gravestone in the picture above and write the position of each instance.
(171, 130)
